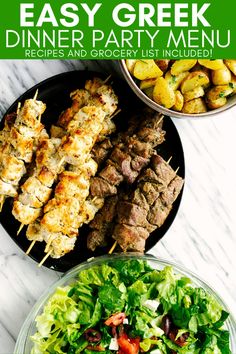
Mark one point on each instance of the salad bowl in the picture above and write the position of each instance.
(134, 272)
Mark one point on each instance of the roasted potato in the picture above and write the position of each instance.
(221, 76)
(162, 64)
(231, 64)
(196, 93)
(216, 96)
(195, 106)
(175, 80)
(163, 94)
(193, 80)
(186, 85)
(180, 66)
(146, 69)
(147, 83)
(179, 101)
(212, 64)
(130, 63)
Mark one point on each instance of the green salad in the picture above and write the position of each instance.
(126, 307)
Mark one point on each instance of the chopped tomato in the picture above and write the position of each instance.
(128, 345)
(115, 320)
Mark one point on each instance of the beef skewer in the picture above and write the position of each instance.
(148, 207)
(132, 209)
(129, 156)
(18, 143)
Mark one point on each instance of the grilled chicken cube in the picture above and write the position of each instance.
(24, 213)
(72, 184)
(33, 186)
(61, 245)
(22, 144)
(29, 113)
(11, 169)
(7, 189)
(61, 215)
(35, 232)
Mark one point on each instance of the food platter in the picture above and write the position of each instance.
(55, 93)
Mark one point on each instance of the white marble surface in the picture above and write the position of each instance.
(202, 238)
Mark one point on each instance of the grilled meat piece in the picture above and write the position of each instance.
(164, 187)
(101, 188)
(135, 215)
(102, 224)
(101, 150)
(130, 155)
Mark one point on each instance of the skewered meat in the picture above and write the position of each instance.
(128, 157)
(18, 140)
(68, 209)
(130, 218)
(135, 219)
(54, 153)
(102, 224)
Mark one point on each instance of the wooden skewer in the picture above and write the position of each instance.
(160, 120)
(169, 160)
(112, 248)
(20, 228)
(18, 108)
(61, 162)
(36, 95)
(107, 79)
(176, 171)
(48, 245)
(30, 247)
(44, 259)
(115, 114)
(39, 118)
(2, 199)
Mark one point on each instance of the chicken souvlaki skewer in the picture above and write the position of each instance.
(19, 140)
(59, 224)
(36, 190)
(49, 160)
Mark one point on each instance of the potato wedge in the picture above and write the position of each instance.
(147, 83)
(180, 66)
(221, 76)
(231, 64)
(216, 97)
(149, 92)
(175, 80)
(146, 69)
(130, 63)
(193, 80)
(163, 94)
(212, 64)
(218, 92)
(179, 101)
(162, 64)
(195, 106)
(196, 93)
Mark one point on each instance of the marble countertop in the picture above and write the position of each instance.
(202, 237)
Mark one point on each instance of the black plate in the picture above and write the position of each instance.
(55, 93)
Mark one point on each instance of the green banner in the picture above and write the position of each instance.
(112, 29)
